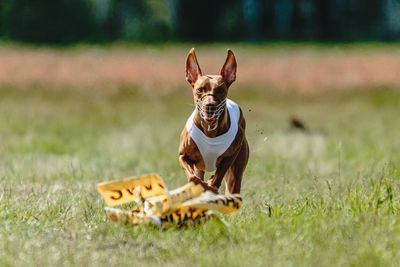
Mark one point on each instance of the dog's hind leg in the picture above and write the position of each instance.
(233, 177)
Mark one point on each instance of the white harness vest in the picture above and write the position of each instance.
(211, 148)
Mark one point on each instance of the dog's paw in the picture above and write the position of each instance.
(205, 185)
(211, 188)
(195, 180)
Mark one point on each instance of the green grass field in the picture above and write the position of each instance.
(328, 197)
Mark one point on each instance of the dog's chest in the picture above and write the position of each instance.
(212, 148)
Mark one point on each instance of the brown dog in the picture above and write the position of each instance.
(214, 136)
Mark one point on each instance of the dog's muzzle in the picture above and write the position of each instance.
(210, 113)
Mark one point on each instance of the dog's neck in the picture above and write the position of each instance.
(214, 128)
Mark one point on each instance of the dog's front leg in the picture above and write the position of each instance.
(216, 179)
(193, 174)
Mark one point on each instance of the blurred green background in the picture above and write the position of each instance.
(68, 21)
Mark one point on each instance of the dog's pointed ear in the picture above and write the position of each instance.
(228, 71)
(193, 70)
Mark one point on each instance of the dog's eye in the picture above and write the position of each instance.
(200, 89)
(219, 90)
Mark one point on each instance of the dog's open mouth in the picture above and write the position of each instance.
(210, 113)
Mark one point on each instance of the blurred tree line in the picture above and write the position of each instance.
(68, 21)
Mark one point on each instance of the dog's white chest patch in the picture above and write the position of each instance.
(212, 148)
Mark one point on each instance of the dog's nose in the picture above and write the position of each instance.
(210, 101)
(210, 104)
